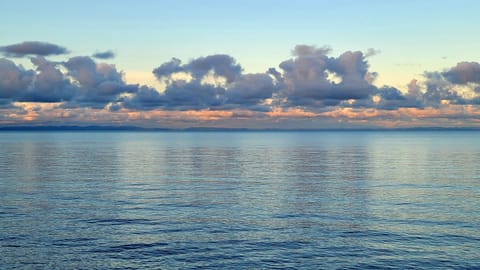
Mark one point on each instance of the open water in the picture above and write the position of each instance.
(240, 200)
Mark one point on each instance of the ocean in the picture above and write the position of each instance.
(240, 200)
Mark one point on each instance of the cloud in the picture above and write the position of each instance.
(371, 52)
(49, 85)
(311, 86)
(193, 95)
(247, 92)
(13, 79)
(213, 82)
(303, 81)
(168, 68)
(413, 88)
(96, 84)
(145, 98)
(251, 89)
(390, 98)
(463, 73)
(306, 50)
(220, 65)
(85, 84)
(308, 82)
(32, 48)
(104, 55)
(439, 90)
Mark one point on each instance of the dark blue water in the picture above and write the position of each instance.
(90, 200)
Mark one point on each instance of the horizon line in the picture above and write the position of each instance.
(189, 129)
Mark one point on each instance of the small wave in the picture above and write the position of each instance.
(128, 247)
(119, 221)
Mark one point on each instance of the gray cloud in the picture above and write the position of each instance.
(168, 68)
(438, 88)
(145, 98)
(50, 84)
(413, 89)
(307, 77)
(391, 99)
(222, 65)
(86, 83)
(84, 70)
(193, 96)
(305, 50)
(312, 80)
(32, 48)
(463, 73)
(104, 55)
(97, 84)
(246, 91)
(13, 79)
(251, 89)
(219, 64)
(371, 52)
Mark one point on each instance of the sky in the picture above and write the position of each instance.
(240, 64)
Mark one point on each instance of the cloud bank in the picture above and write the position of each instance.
(312, 88)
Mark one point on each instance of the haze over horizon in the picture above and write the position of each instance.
(313, 65)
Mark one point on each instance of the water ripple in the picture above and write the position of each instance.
(240, 200)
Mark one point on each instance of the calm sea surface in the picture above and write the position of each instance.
(303, 200)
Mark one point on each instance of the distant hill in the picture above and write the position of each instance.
(193, 129)
(74, 128)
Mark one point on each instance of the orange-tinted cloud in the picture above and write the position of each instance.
(290, 113)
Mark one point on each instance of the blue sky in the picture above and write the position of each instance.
(412, 36)
(409, 37)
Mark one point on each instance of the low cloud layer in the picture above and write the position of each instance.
(312, 84)
(32, 48)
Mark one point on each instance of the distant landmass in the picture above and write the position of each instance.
(76, 128)
(136, 128)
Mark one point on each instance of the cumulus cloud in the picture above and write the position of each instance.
(97, 84)
(312, 84)
(13, 79)
(193, 95)
(215, 82)
(390, 98)
(49, 85)
(85, 84)
(439, 90)
(168, 68)
(220, 65)
(145, 98)
(251, 89)
(104, 55)
(463, 73)
(307, 77)
(413, 88)
(33, 48)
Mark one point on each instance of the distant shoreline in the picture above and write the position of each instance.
(214, 129)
